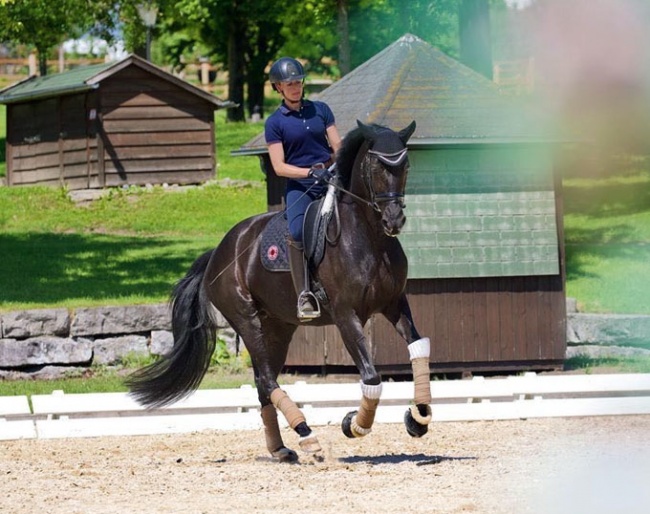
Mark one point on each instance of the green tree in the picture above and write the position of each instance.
(244, 35)
(44, 24)
(475, 37)
(349, 32)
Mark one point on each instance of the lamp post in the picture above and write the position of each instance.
(148, 12)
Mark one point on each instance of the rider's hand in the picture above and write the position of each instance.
(322, 175)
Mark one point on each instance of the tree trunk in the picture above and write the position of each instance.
(236, 32)
(475, 41)
(344, 37)
(42, 61)
(258, 56)
(255, 96)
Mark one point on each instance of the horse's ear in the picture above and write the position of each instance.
(407, 132)
(367, 131)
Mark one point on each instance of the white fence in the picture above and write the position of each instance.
(61, 415)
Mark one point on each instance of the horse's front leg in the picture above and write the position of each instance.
(359, 423)
(418, 417)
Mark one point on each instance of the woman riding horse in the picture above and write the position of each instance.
(302, 138)
(363, 271)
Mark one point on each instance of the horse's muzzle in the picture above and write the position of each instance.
(393, 218)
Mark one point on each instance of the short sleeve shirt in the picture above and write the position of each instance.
(302, 133)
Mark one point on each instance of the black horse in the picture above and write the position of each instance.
(363, 271)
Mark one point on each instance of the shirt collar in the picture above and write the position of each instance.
(286, 111)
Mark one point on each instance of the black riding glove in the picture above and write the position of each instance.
(321, 175)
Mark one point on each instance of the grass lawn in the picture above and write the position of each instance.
(56, 253)
(129, 247)
(3, 139)
(109, 381)
(133, 245)
(607, 233)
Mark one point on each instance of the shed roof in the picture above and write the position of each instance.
(412, 80)
(86, 78)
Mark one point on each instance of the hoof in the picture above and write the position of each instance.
(284, 454)
(346, 424)
(350, 427)
(416, 421)
(310, 444)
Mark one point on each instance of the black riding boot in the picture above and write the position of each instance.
(308, 307)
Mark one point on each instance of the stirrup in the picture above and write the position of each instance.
(307, 298)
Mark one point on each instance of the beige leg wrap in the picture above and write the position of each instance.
(361, 423)
(271, 428)
(366, 415)
(419, 352)
(421, 381)
(287, 407)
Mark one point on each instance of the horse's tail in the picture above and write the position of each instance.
(179, 373)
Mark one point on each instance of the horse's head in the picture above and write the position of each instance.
(384, 170)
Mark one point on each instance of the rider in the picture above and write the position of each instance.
(302, 139)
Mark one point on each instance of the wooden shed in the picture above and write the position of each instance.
(125, 122)
(484, 232)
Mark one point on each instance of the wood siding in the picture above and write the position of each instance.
(474, 325)
(135, 129)
(153, 132)
(53, 143)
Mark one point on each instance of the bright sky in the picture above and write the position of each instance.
(519, 4)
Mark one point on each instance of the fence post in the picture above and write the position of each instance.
(205, 72)
(61, 59)
(31, 61)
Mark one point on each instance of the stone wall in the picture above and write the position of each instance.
(51, 342)
(603, 335)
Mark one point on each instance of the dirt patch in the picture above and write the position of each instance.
(593, 465)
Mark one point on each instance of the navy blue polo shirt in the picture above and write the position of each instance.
(302, 133)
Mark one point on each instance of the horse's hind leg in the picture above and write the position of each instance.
(268, 349)
(418, 417)
(274, 443)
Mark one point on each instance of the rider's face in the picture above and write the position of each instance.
(292, 91)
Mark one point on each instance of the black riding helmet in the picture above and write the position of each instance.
(286, 69)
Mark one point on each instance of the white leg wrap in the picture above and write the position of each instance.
(372, 392)
(420, 348)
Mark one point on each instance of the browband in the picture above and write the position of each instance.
(391, 159)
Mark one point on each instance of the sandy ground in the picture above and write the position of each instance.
(581, 465)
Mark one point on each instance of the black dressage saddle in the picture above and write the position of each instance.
(273, 250)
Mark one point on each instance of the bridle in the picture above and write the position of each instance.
(390, 159)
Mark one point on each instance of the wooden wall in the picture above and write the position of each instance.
(135, 129)
(52, 142)
(153, 132)
(492, 324)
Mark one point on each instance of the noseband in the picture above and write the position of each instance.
(390, 159)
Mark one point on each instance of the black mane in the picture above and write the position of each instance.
(347, 154)
(350, 148)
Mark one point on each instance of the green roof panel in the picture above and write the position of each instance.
(466, 220)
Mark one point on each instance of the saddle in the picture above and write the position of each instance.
(273, 250)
